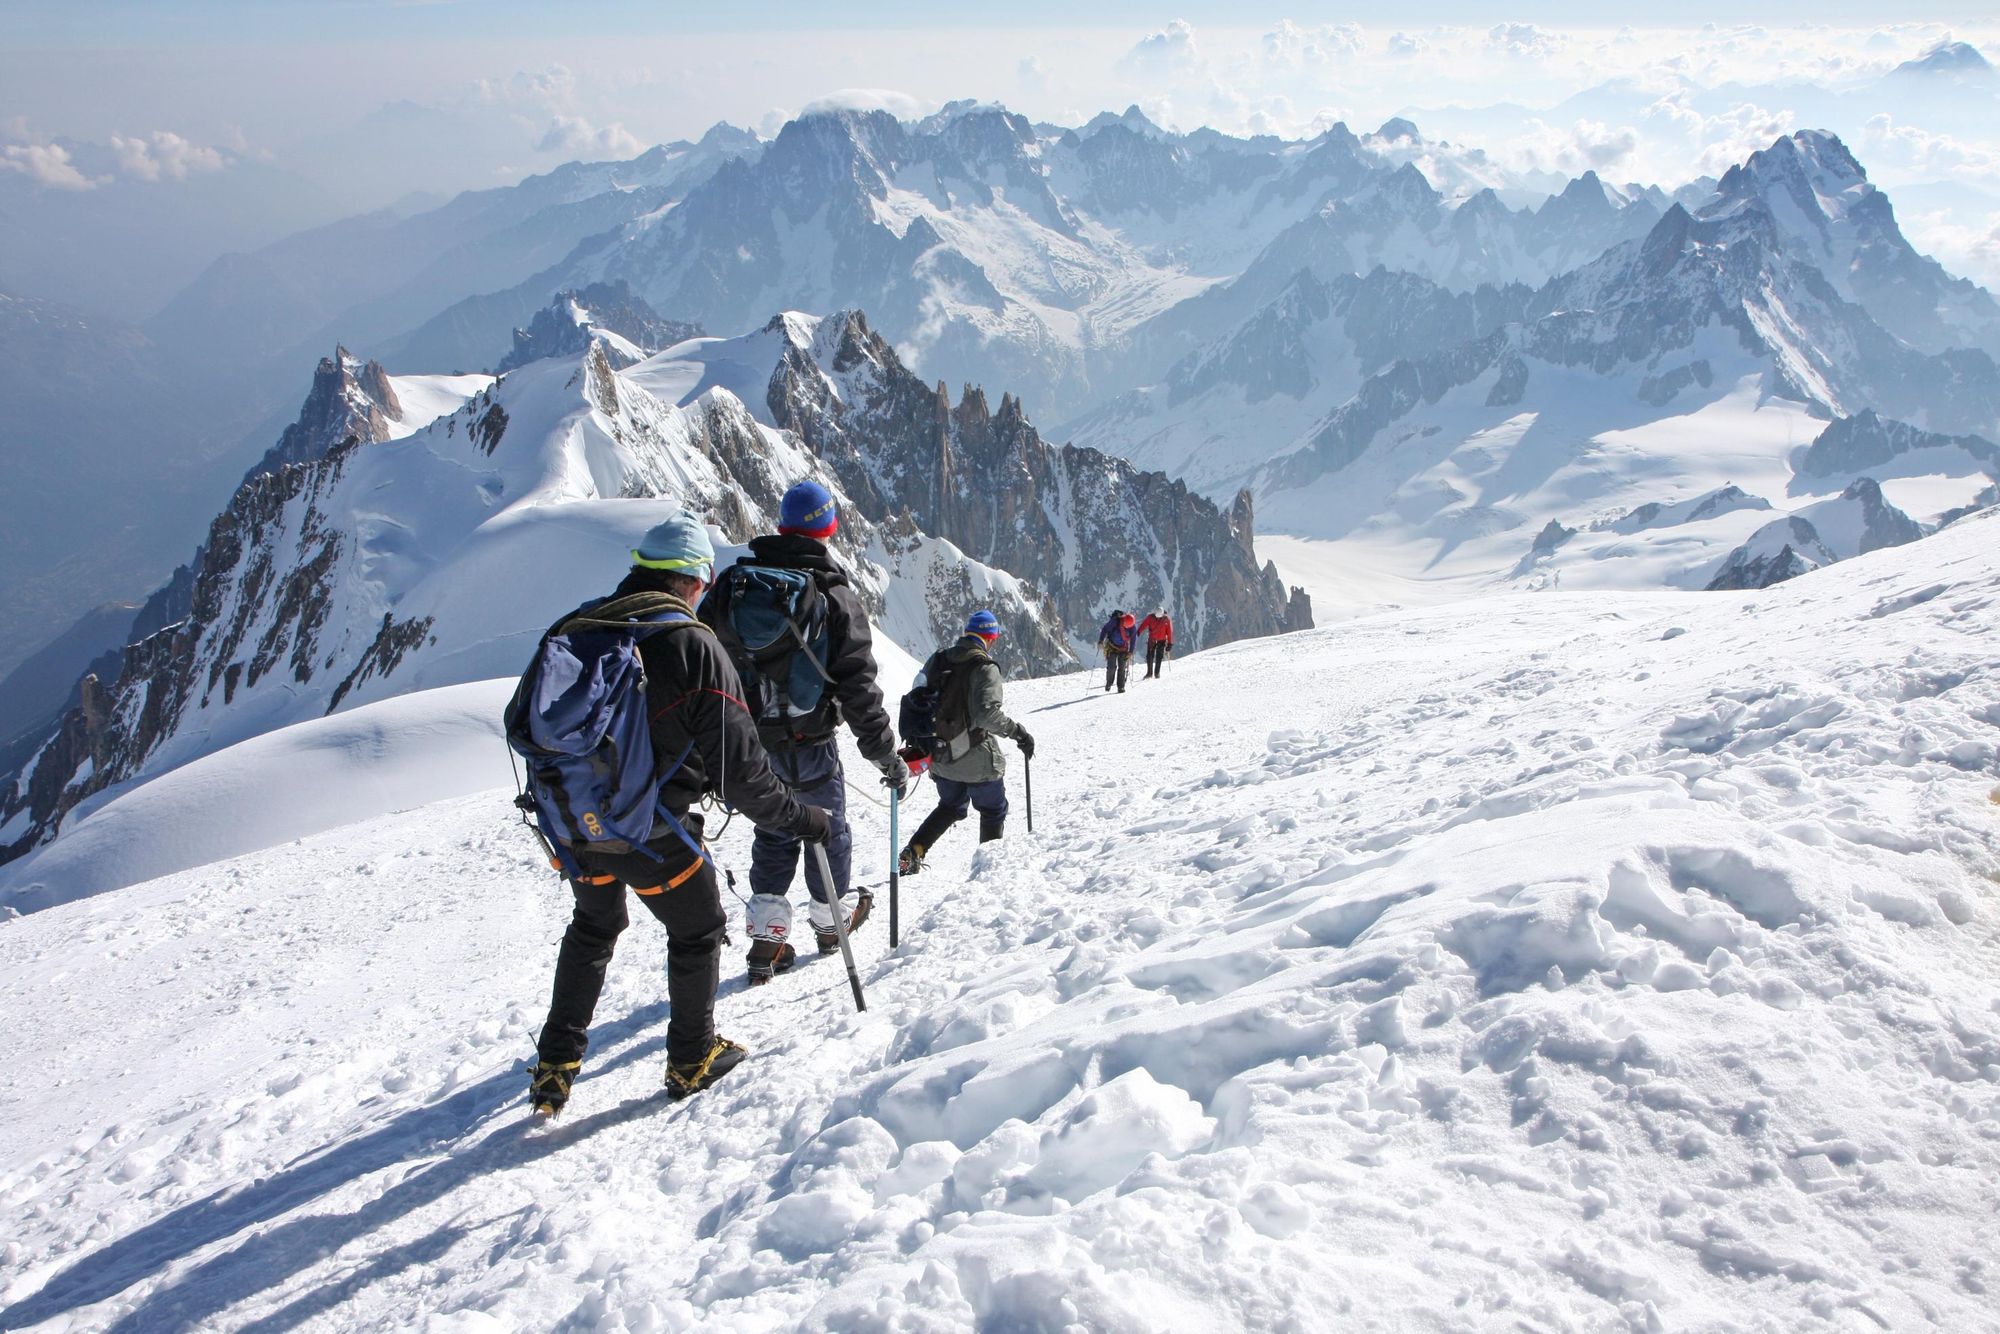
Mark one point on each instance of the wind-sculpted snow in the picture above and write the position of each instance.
(1620, 961)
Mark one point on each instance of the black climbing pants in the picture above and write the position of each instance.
(1156, 656)
(1117, 664)
(691, 911)
(954, 798)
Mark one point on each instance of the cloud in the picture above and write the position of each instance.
(1587, 146)
(1169, 53)
(1032, 75)
(575, 137)
(1727, 138)
(551, 87)
(1964, 243)
(1292, 47)
(1403, 46)
(1524, 41)
(898, 104)
(1919, 152)
(163, 156)
(45, 164)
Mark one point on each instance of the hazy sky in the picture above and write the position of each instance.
(368, 100)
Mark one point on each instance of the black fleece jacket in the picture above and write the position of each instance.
(850, 648)
(692, 694)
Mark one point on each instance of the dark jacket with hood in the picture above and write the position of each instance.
(692, 694)
(850, 649)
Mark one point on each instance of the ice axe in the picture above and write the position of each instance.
(839, 924)
(895, 868)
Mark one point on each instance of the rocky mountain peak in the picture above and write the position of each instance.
(608, 312)
(1396, 127)
(351, 402)
(1812, 167)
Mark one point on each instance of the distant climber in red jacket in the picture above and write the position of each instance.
(1159, 631)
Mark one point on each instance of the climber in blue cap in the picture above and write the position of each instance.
(966, 761)
(799, 636)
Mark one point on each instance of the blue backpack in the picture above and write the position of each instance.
(579, 720)
(774, 624)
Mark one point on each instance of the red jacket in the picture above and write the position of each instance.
(1159, 629)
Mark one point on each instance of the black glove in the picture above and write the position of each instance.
(1025, 742)
(896, 776)
(814, 826)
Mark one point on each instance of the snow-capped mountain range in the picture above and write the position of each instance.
(410, 532)
(1448, 430)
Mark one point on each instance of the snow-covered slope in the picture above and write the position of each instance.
(1609, 962)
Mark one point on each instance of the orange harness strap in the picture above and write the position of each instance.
(677, 881)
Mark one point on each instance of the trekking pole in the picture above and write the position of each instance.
(895, 867)
(839, 924)
(1028, 776)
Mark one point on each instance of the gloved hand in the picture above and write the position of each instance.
(896, 776)
(1025, 742)
(815, 827)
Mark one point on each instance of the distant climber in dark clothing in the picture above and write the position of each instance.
(1115, 640)
(967, 763)
(1159, 632)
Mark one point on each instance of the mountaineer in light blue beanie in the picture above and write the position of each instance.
(678, 546)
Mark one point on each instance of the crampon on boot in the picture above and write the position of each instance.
(911, 861)
(548, 1090)
(685, 1078)
(829, 939)
(768, 958)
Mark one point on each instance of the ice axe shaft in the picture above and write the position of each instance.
(839, 924)
(1028, 776)
(895, 870)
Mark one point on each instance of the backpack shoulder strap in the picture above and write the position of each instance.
(645, 612)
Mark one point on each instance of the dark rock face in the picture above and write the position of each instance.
(1791, 546)
(1088, 529)
(1865, 440)
(1883, 524)
(1745, 572)
(563, 328)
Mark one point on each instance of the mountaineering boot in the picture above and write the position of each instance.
(828, 938)
(768, 958)
(991, 827)
(689, 1077)
(548, 1091)
(912, 860)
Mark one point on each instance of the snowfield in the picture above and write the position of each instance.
(1551, 961)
